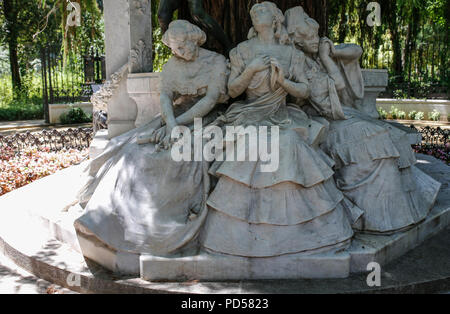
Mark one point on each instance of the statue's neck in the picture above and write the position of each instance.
(266, 35)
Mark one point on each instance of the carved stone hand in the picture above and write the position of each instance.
(259, 64)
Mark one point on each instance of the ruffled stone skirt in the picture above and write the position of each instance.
(138, 200)
(295, 209)
(375, 170)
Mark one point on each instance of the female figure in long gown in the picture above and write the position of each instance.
(138, 199)
(374, 161)
(297, 207)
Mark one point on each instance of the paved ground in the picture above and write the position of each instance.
(10, 127)
(421, 123)
(15, 280)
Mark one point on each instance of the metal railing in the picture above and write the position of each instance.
(53, 140)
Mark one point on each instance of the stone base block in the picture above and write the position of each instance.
(217, 267)
(118, 262)
(118, 127)
(98, 144)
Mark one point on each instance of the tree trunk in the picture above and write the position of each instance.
(10, 12)
(234, 17)
(390, 18)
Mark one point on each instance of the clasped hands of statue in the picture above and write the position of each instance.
(161, 136)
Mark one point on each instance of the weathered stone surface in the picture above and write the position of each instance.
(145, 90)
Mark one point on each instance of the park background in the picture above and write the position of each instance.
(49, 60)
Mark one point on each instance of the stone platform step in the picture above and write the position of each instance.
(36, 232)
(424, 270)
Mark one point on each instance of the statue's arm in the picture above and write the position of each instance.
(240, 80)
(201, 108)
(298, 90)
(327, 53)
(167, 109)
(238, 83)
(347, 51)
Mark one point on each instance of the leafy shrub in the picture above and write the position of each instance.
(412, 115)
(383, 113)
(401, 115)
(419, 116)
(434, 116)
(25, 104)
(394, 113)
(75, 115)
(399, 94)
(15, 113)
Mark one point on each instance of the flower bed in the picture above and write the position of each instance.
(20, 168)
(440, 152)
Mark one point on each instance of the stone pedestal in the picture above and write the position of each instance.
(375, 82)
(128, 40)
(144, 89)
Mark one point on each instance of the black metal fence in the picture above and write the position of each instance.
(435, 142)
(70, 78)
(53, 140)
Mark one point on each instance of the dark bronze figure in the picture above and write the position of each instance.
(168, 7)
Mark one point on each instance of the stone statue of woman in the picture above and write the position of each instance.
(296, 208)
(374, 161)
(138, 199)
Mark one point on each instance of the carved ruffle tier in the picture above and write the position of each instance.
(393, 200)
(353, 141)
(229, 235)
(375, 170)
(295, 209)
(298, 163)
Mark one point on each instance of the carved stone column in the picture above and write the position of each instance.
(142, 86)
(121, 108)
(140, 36)
(128, 37)
(375, 82)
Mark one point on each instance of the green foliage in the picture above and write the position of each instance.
(383, 113)
(411, 42)
(434, 116)
(400, 94)
(162, 53)
(25, 104)
(401, 115)
(419, 115)
(75, 115)
(412, 115)
(393, 113)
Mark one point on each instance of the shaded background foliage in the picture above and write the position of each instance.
(412, 41)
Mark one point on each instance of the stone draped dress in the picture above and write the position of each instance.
(140, 200)
(295, 209)
(374, 160)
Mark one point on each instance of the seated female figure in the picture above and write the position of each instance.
(374, 161)
(295, 208)
(138, 199)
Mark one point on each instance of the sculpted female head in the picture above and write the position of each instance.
(267, 14)
(184, 39)
(303, 30)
